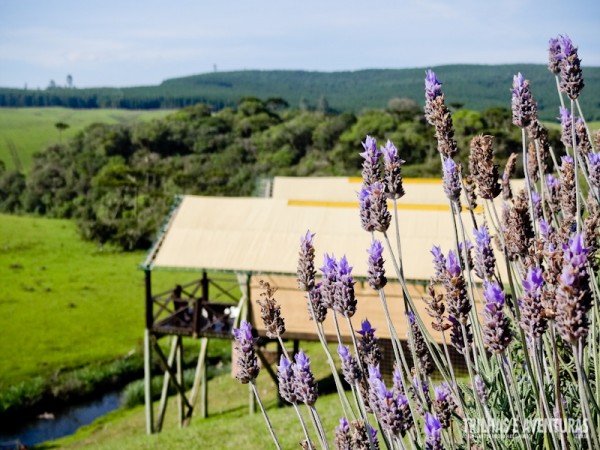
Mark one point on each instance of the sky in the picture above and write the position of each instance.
(126, 43)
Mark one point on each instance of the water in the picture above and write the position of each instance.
(66, 421)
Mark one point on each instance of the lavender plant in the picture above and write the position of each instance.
(532, 350)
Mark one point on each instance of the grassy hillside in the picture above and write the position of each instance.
(31, 130)
(477, 87)
(64, 302)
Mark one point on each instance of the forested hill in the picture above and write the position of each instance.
(475, 87)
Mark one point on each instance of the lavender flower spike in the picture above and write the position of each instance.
(433, 429)
(524, 108)
(532, 320)
(344, 299)
(451, 180)
(566, 127)
(485, 261)
(306, 262)
(305, 386)
(287, 380)
(350, 368)
(371, 172)
(392, 173)
(594, 169)
(368, 345)
(439, 262)
(375, 271)
(574, 294)
(328, 281)
(554, 55)
(433, 88)
(342, 435)
(247, 365)
(571, 79)
(496, 328)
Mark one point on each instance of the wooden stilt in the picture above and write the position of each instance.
(203, 392)
(164, 363)
(164, 396)
(200, 366)
(148, 382)
(181, 396)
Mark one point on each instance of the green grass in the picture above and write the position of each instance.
(31, 130)
(65, 303)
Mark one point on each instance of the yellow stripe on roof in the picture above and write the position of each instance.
(401, 206)
(404, 180)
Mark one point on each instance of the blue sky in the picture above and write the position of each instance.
(126, 43)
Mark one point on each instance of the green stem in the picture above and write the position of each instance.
(262, 408)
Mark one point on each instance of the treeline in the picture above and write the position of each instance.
(475, 87)
(119, 181)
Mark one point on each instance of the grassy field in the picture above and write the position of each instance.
(31, 130)
(65, 303)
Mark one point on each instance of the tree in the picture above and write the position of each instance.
(61, 126)
(69, 81)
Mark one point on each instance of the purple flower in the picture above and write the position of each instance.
(485, 261)
(451, 180)
(524, 108)
(571, 79)
(452, 264)
(344, 300)
(350, 368)
(371, 172)
(496, 328)
(439, 262)
(287, 380)
(247, 365)
(532, 320)
(329, 279)
(306, 263)
(480, 389)
(374, 214)
(392, 172)
(305, 386)
(368, 345)
(375, 271)
(316, 304)
(566, 127)
(594, 168)
(433, 88)
(574, 295)
(433, 429)
(342, 435)
(554, 55)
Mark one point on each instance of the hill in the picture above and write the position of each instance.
(476, 87)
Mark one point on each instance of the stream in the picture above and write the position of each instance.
(56, 424)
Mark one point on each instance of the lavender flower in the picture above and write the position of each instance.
(485, 261)
(518, 227)
(437, 114)
(329, 280)
(433, 429)
(306, 263)
(593, 163)
(375, 271)
(533, 322)
(496, 328)
(350, 368)
(574, 295)
(553, 189)
(398, 384)
(270, 311)
(305, 385)
(344, 300)
(465, 249)
(374, 215)
(316, 300)
(524, 108)
(287, 380)
(360, 440)
(342, 435)
(443, 404)
(247, 365)
(439, 262)
(482, 167)
(456, 294)
(480, 389)
(536, 202)
(370, 172)
(566, 127)
(554, 56)
(584, 146)
(451, 180)
(571, 79)
(392, 172)
(568, 193)
(508, 172)
(424, 359)
(456, 335)
(385, 407)
(433, 88)
(368, 345)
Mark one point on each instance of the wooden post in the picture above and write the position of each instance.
(203, 392)
(164, 396)
(148, 382)
(148, 283)
(197, 387)
(180, 397)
